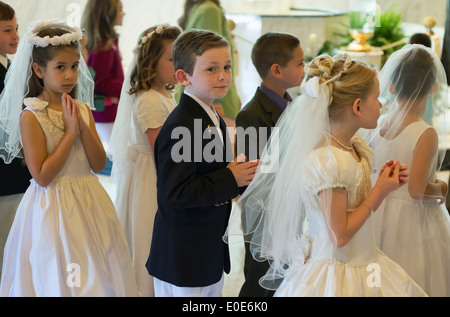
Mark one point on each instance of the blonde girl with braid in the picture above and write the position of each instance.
(145, 103)
(310, 214)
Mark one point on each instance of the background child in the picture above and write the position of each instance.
(147, 99)
(14, 177)
(66, 239)
(208, 15)
(414, 229)
(324, 178)
(99, 19)
(279, 60)
(188, 256)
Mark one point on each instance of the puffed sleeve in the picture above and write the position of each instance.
(151, 111)
(329, 167)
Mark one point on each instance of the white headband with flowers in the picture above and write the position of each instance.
(149, 35)
(65, 39)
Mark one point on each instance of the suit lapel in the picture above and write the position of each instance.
(199, 113)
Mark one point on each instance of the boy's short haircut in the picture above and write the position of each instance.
(7, 13)
(273, 48)
(192, 43)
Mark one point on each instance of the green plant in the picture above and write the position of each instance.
(387, 32)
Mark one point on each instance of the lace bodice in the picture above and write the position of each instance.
(52, 125)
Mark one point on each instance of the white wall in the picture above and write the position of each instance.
(140, 14)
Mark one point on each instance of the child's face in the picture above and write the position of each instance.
(61, 73)
(211, 77)
(120, 14)
(164, 68)
(370, 107)
(9, 36)
(293, 72)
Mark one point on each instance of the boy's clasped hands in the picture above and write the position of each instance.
(243, 171)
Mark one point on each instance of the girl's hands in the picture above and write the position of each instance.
(389, 178)
(70, 115)
(403, 171)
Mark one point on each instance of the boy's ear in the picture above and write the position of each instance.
(356, 107)
(38, 70)
(182, 77)
(275, 70)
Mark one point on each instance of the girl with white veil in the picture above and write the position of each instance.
(145, 103)
(308, 210)
(413, 225)
(66, 239)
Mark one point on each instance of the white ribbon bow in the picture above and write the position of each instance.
(311, 87)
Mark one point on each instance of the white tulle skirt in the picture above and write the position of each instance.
(136, 206)
(66, 240)
(416, 235)
(380, 277)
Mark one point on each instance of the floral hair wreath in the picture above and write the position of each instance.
(149, 35)
(74, 35)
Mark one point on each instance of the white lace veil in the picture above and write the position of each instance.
(413, 89)
(272, 208)
(16, 83)
(120, 135)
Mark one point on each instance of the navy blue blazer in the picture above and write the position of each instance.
(14, 177)
(259, 112)
(194, 201)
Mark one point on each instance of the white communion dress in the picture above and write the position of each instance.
(136, 201)
(358, 269)
(414, 233)
(66, 238)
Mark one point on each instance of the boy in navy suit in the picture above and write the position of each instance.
(14, 177)
(279, 60)
(195, 180)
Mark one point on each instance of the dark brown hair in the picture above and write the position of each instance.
(193, 43)
(273, 48)
(42, 55)
(7, 13)
(415, 75)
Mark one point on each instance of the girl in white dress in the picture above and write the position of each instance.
(413, 225)
(66, 239)
(309, 208)
(145, 103)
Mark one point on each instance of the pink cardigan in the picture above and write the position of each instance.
(109, 77)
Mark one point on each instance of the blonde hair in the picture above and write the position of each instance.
(98, 23)
(347, 80)
(147, 56)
